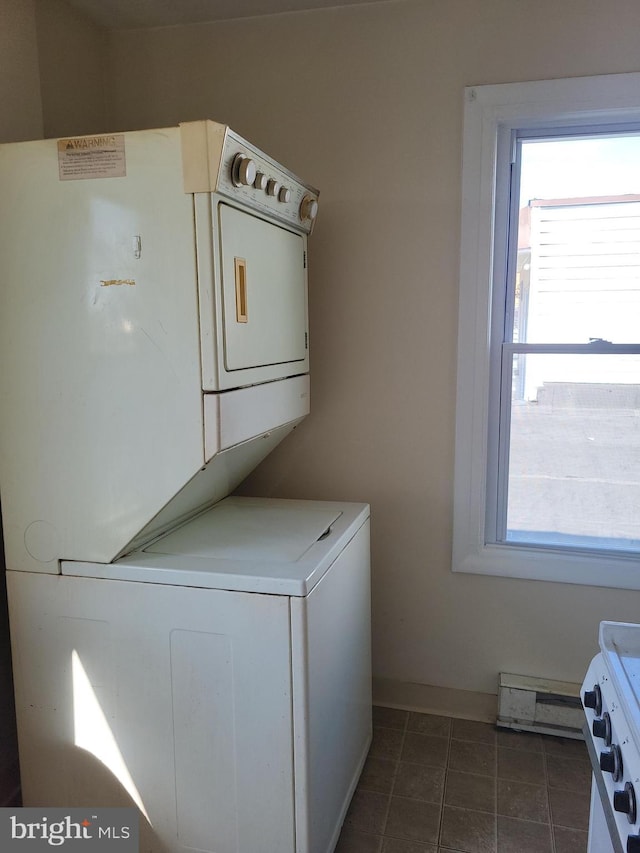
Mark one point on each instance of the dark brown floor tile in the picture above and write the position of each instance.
(429, 724)
(475, 731)
(521, 766)
(470, 791)
(420, 782)
(468, 757)
(528, 741)
(397, 845)
(565, 747)
(523, 836)
(570, 808)
(468, 831)
(367, 812)
(570, 840)
(413, 820)
(378, 774)
(425, 749)
(386, 743)
(353, 841)
(522, 800)
(390, 718)
(467, 787)
(568, 773)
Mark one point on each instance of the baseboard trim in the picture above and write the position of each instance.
(428, 699)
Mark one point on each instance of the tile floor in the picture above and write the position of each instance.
(435, 785)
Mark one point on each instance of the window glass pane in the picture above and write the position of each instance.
(574, 463)
(578, 266)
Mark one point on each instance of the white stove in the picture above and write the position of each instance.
(611, 699)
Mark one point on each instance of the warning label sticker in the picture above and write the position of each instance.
(92, 157)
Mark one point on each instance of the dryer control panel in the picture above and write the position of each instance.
(250, 176)
(215, 159)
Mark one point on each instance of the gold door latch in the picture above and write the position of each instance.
(241, 290)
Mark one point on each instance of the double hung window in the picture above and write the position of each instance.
(548, 422)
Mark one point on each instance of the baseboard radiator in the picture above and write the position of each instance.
(540, 705)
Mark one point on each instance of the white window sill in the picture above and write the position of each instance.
(544, 564)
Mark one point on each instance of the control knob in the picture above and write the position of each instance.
(602, 728)
(308, 208)
(284, 194)
(611, 762)
(273, 187)
(243, 171)
(625, 802)
(261, 181)
(593, 699)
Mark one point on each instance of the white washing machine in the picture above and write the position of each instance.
(218, 679)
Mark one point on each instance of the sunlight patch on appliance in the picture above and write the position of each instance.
(93, 733)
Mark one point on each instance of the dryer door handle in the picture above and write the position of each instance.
(240, 266)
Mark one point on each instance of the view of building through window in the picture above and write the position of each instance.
(573, 417)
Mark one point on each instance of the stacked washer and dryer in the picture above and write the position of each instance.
(201, 657)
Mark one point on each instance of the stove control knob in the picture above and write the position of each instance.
(309, 208)
(602, 728)
(273, 187)
(284, 194)
(243, 171)
(261, 181)
(633, 844)
(611, 762)
(593, 699)
(625, 802)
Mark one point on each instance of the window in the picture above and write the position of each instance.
(547, 481)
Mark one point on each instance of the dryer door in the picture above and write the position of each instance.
(263, 292)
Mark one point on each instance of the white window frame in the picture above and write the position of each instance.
(491, 114)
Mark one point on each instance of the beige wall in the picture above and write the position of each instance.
(366, 103)
(20, 106)
(72, 53)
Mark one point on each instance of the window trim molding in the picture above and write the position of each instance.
(491, 113)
